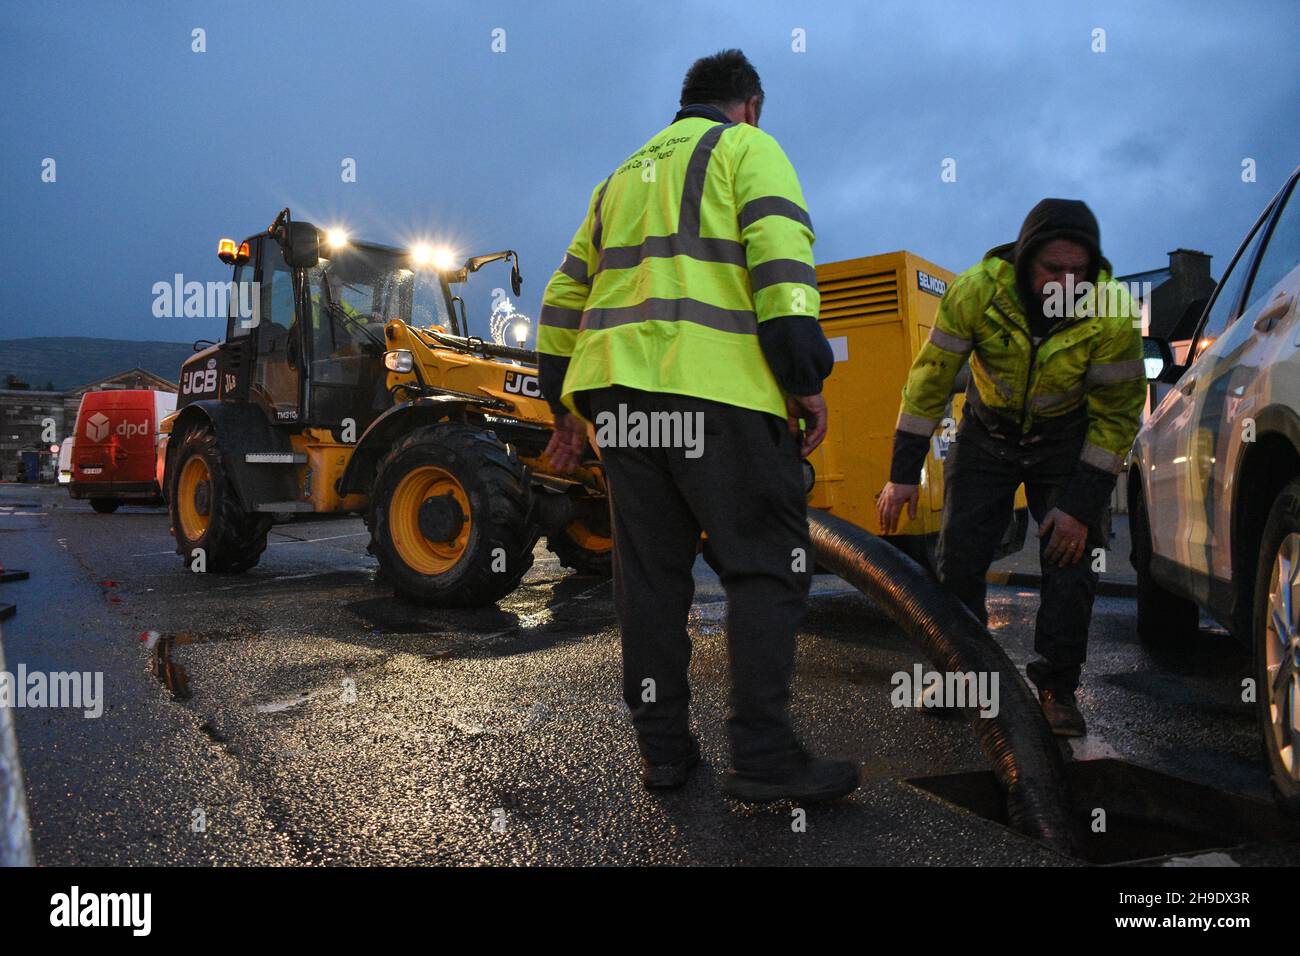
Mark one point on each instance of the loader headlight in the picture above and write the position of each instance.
(809, 477)
(399, 360)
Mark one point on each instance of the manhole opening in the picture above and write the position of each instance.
(1148, 814)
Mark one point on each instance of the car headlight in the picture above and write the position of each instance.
(399, 360)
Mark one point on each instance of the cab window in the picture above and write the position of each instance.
(1281, 255)
(242, 306)
(1223, 310)
(275, 373)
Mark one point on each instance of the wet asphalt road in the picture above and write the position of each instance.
(309, 717)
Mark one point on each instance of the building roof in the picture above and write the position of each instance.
(1157, 277)
(131, 378)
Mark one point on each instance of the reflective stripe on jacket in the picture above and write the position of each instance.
(697, 238)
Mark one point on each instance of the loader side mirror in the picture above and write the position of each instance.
(474, 263)
(301, 245)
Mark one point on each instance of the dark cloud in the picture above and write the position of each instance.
(160, 150)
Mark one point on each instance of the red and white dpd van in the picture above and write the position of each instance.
(114, 447)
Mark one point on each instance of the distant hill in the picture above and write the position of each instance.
(69, 362)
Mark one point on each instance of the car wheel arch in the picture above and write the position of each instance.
(1266, 465)
(1263, 469)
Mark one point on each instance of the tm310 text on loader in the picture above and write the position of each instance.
(348, 383)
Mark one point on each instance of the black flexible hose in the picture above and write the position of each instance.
(1018, 741)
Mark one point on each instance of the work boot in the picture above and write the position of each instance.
(1062, 713)
(801, 779)
(670, 776)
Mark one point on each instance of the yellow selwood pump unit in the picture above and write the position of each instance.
(877, 312)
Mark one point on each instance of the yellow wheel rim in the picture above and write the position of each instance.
(194, 498)
(416, 551)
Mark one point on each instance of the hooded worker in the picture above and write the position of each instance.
(1054, 401)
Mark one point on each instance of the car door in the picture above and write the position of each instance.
(1262, 346)
(1184, 424)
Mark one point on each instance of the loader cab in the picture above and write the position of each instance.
(346, 299)
(306, 344)
(311, 351)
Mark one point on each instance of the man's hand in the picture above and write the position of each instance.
(811, 408)
(1069, 537)
(564, 451)
(890, 501)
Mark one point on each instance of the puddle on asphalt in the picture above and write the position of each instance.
(162, 665)
(575, 602)
(1148, 815)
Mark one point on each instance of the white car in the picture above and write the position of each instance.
(65, 461)
(1214, 479)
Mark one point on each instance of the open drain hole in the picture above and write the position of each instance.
(1148, 814)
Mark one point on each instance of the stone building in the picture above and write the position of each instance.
(1179, 294)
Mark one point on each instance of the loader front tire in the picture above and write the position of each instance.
(449, 517)
(213, 532)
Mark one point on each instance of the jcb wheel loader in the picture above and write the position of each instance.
(348, 383)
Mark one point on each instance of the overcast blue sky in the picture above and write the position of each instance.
(161, 150)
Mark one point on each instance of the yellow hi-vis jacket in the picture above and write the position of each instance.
(1092, 359)
(693, 241)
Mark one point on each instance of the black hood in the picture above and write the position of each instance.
(1058, 219)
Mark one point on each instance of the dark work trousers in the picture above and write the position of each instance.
(745, 490)
(981, 473)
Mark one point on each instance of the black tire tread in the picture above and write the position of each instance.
(1283, 517)
(235, 538)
